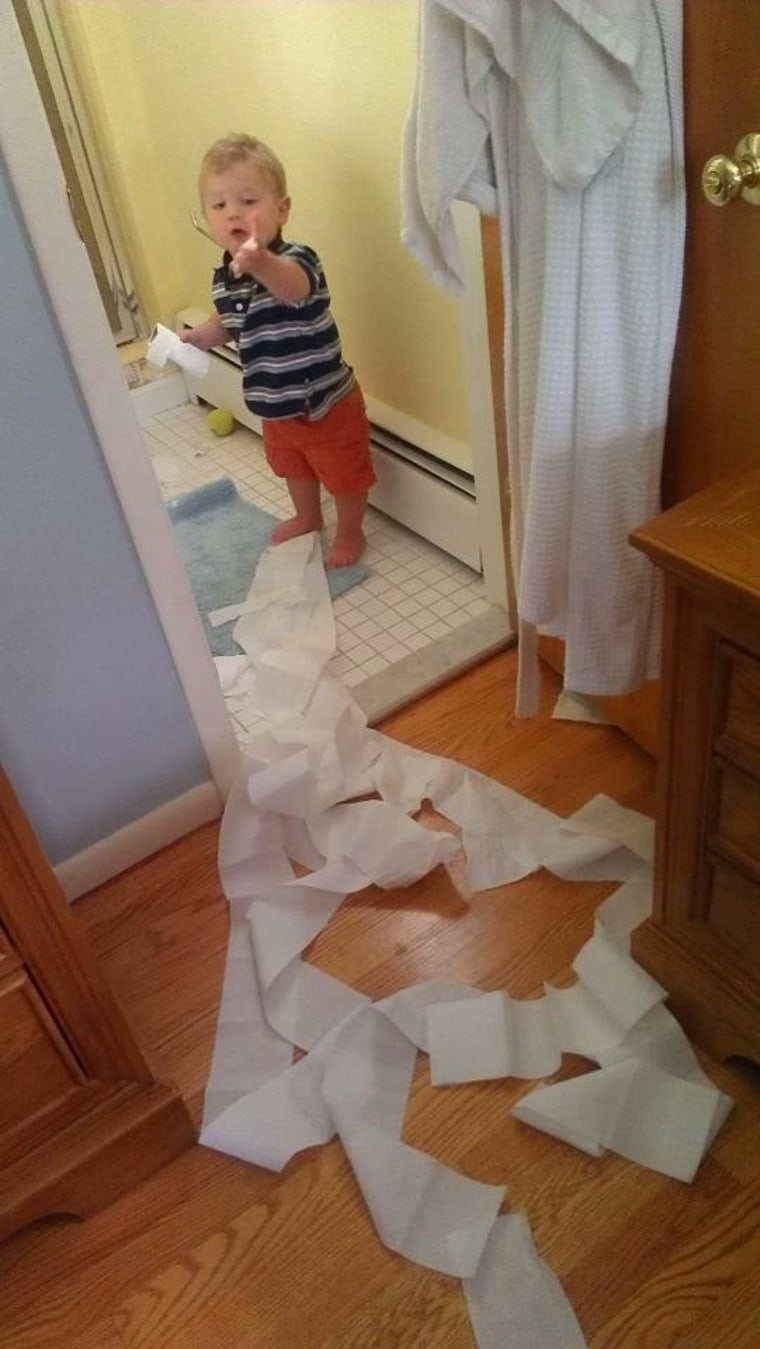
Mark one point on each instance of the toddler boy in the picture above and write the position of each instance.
(271, 296)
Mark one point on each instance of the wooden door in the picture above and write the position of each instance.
(712, 430)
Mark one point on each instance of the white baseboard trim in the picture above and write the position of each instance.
(159, 396)
(138, 840)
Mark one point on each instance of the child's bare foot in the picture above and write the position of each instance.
(291, 529)
(346, 550)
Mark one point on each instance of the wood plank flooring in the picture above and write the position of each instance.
(213, 1254)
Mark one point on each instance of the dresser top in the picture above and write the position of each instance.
(714, 536)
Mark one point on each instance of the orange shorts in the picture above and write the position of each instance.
(334, 449)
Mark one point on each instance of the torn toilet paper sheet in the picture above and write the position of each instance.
(492, 1036)
(627, 907)
(303, 630)
(320, 791)
(605, 817)
(498, 1036)
(247, 1051)
(420, 1208)
(281, 1117)
(625, 990)
(659, 1039)
(408, 1008)
(578, 707)
(632, 1108)
(229, 612)
(235, 675)
(515, 1301)
(381, 841)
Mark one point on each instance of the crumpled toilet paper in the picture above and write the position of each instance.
(318, 790)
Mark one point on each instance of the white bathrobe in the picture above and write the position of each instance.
(564, 117)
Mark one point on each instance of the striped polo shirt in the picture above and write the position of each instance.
(290, 352)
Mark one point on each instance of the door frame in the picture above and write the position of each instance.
(38, 182)
(25, 140)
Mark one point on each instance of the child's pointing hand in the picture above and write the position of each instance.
(247, 256)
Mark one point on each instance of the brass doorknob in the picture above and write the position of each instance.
(724, 178)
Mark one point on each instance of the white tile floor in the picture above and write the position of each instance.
(419, 618)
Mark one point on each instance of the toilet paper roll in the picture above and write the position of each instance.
(166, 346)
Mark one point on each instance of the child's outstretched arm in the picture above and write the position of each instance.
(282, 277)
(206, 335)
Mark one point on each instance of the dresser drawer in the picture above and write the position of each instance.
(737, 812)
(36, 1065)
(739, 716)
(734, 910)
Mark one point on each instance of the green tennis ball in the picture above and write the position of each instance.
(220, 422)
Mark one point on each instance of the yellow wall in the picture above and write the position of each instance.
(328, 84)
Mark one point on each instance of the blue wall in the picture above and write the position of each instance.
(95, 730)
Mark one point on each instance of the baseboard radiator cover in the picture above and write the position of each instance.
(423, 493)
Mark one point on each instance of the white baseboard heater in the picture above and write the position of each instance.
(414, 487)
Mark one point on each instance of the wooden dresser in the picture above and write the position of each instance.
(84, 1115)
(703, 941)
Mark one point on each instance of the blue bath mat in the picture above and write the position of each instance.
(220, 539)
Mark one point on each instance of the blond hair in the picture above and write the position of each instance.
(236, 147)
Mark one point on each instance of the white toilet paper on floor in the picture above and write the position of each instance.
(271, 1124)
(659, 1039)
(515, 1301)
(632, 1108)
(368, 1073)
(496, 849)
(305, 1003)
(299, 631)
(391, 849)
(629, 828)
(408, 1008)
(577, 707)
(294, 800)
(621, 985)
(498, 1036)
(420, 1208)
(627, 907)
(491, 1036)
(247, 1051)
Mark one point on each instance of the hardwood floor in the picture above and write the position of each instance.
(213, 1254)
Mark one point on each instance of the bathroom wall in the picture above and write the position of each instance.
(94, 726)
(328, 83)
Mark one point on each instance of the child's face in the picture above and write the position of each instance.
(240, 203)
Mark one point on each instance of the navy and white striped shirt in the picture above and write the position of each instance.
(290, 352)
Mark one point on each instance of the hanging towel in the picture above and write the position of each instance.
(447, 132)
(576, 106)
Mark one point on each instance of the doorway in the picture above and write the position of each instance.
(412, 629)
